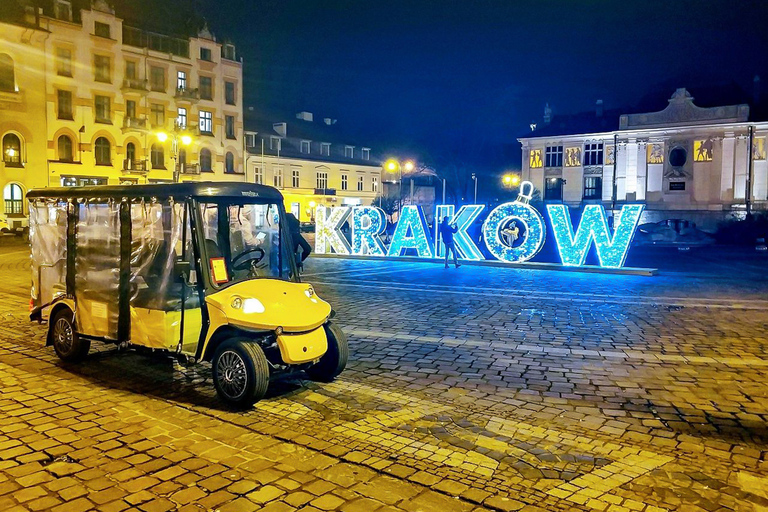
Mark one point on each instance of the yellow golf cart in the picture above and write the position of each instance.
(204, 271)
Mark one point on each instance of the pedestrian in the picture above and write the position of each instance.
(298, 240)
(446, 232)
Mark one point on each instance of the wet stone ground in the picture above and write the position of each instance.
(470, 389)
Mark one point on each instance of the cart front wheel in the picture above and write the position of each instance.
(68, 345)
(240, 372)
(335, 359)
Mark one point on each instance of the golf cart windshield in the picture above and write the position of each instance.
(245, 240)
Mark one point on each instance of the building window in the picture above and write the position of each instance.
(325, 149)
(229, 123)
(182, 160)
(553, 189)
(181, 80)
(349, 151)
(181, 118)
(101, 68)
(103, 151)
(63, 62)
(205, 160)
(534, 161)
(14, 199)
(63, 10)
(130, 109)
(277, 176)
(344, 182)
(65, 148)
(65, 104)
(206, 88)
(157, 156)
(572, 157)
(250, 140)
(553, 156)
(101, 29)
(206, 122)
(157, 79)
(360, 183)
(366, 154)
(157, 115)
(374, 183)
(71, 181)
(295, 178)
(103, 114)
(593, 187)
(7, 74)
(229, 93)
(205, 54)
(274, 143)
(228, 51)
(322, 180)
(305, 147)
(130, 156)
(593, 153)
(702, 150)
(258, 175)
(758, 148)
(130, 70)
(12, 150)
(229, 162)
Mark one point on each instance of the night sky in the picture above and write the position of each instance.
(447, 77)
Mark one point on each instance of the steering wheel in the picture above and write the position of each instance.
(248, 258)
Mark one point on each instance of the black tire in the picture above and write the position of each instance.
(240, 372)
(68, 345)
(335, 359)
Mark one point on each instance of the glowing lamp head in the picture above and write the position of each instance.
(162, 136)
(515, 180)
(507, 179)
(391, 165)
(186, 140)
(312, 204)
(408, 166)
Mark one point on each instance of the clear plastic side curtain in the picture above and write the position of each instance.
(48, 242)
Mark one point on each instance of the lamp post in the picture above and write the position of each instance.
(176, 138)
(393, 165)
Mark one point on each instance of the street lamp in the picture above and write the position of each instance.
(176, 139)
(393, 165)
(511, 180)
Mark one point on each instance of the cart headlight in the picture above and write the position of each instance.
(253, 306)
(309, 292)
(237, 303)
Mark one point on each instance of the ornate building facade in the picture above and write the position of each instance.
(119, 104)
(699, 164)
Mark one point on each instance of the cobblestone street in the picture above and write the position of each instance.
(479, 388)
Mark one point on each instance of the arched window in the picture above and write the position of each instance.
(7, 78)
(182, 159)
(130, 156)
(13, 198)
(12, 150)
(103, 151)
(65, 148)
(205, 160)
(230, 162)
(157, 157)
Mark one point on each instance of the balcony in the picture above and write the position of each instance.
(135, 166)
(187, 94)
(133, 123)
(189, 168)
(135, 84)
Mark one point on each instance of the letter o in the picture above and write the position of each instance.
(535, 232)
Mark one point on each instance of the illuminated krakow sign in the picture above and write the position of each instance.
(512, 232)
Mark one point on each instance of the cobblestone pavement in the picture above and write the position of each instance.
(467, 389)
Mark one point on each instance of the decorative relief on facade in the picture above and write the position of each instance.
(655, 153)
(535, 161)
(610, 155)
(681, 110)
(572, 157)
(758, 148)
(703, 150)
(592, 171)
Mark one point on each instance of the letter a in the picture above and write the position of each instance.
(411, 233)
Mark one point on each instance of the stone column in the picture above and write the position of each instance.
(642, 170)
(726, 169)
(630, 183)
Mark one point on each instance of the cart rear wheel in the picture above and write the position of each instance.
(335, 359)
(240, 372)
(68, 345)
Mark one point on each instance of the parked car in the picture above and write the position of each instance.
(4, 227)
(307, 227)
(672, 232)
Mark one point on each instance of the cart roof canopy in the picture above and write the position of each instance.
(165, 190)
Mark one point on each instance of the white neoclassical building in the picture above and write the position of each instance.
(683, 162)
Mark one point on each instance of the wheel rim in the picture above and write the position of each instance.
(230, 371)
(63, 335)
